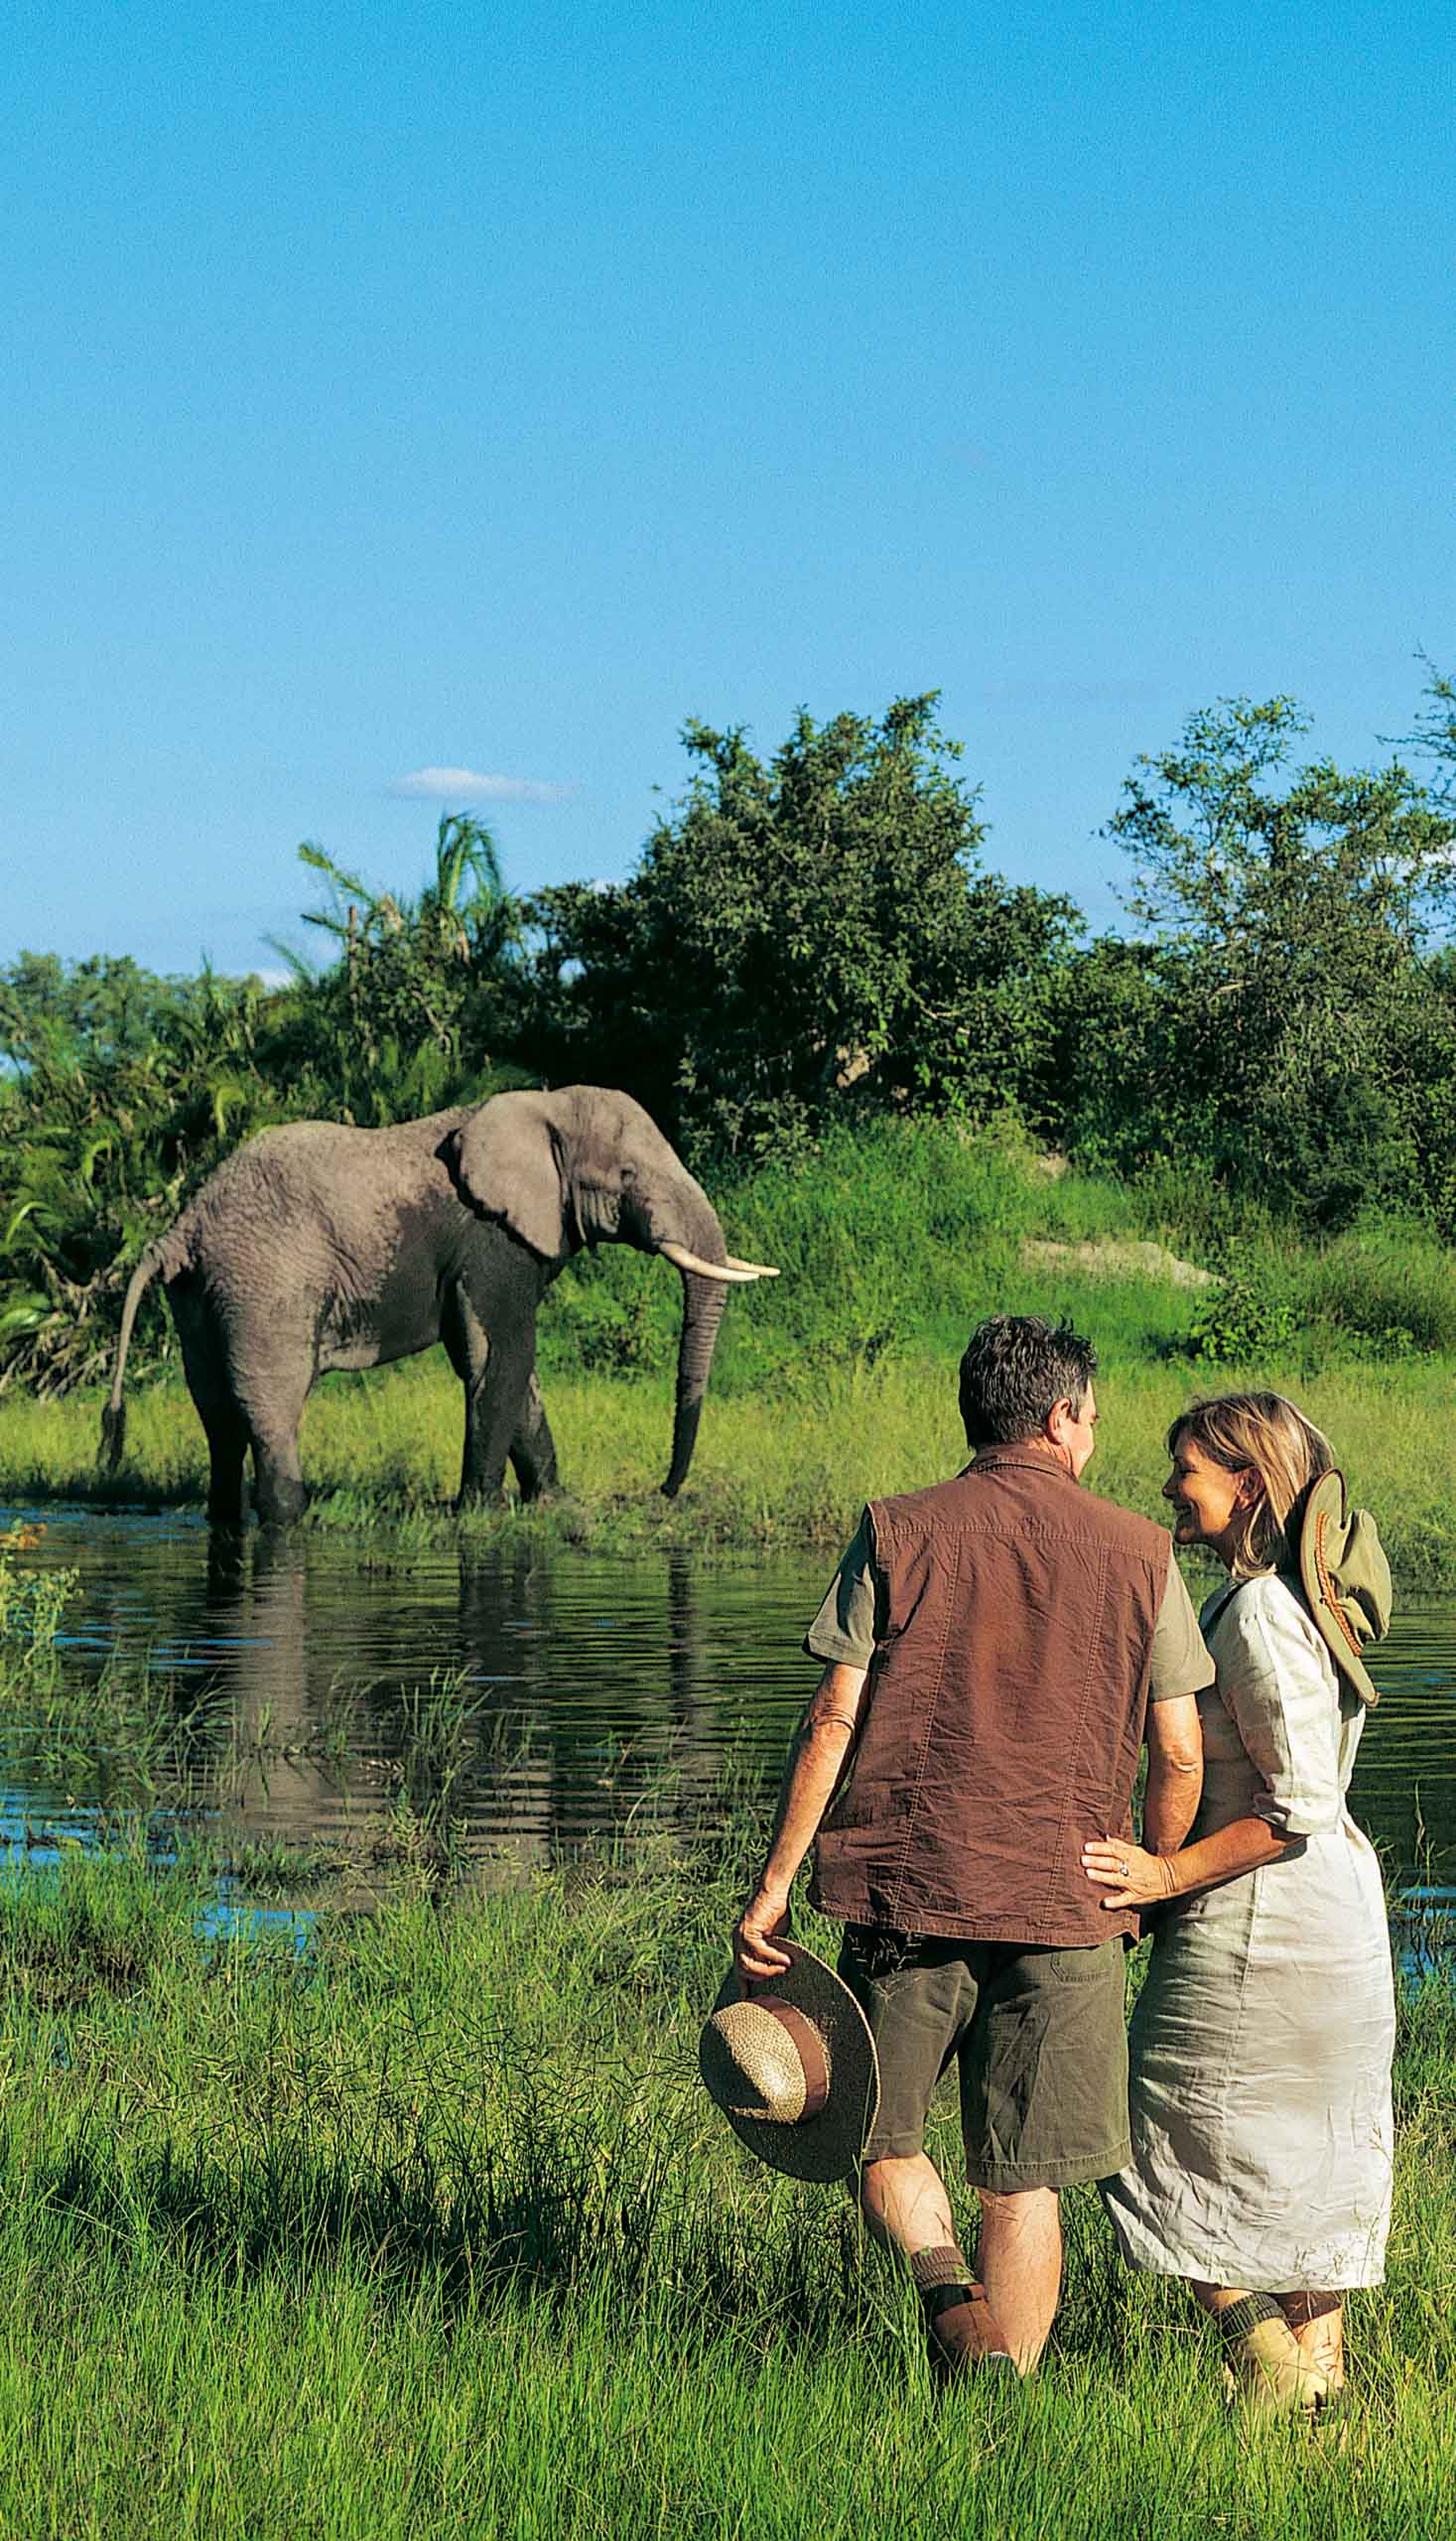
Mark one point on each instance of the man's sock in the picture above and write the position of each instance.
(961, 2325)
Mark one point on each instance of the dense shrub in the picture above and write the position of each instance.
(1243, 1319)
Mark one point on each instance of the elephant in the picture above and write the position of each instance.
(319, 1245)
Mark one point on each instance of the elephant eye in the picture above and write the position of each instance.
(629, 1176)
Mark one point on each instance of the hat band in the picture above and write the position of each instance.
(1327, 1586)
(808, 2045)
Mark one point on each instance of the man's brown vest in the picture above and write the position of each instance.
(1002, 1720)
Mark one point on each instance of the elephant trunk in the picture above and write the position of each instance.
(703, 1305)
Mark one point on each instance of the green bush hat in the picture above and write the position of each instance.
(1345, 1578)
(793, 2068)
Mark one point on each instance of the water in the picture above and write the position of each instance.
(320, 1694)
(316, 1693)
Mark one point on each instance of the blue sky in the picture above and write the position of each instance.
(456, 389)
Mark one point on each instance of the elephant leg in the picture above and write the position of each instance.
(533, 1448)
(279, 1491)
(273, 1407)
(217, 1409)
(496, 1370)
(228, 1448)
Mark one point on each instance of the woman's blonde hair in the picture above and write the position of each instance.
(1264, 1435)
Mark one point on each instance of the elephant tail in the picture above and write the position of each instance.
(113, 1413)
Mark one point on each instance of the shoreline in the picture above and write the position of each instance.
(787, 1469)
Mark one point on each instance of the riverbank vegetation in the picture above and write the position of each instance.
(922, 1091)
(840, 1380)
(425, 2226)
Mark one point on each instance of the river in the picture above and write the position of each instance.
(330, 1693)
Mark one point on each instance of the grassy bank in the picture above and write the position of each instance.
(791, 1470)
(430, 2231)
(837, 1379)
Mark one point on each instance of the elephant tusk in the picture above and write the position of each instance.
(760, 1270)
(731, 1275)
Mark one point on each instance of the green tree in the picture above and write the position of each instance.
(422, 994)
(1123, 1093)
(101, 1008)
(1435, 730)
(801, 936)
(419, 997)
(101, 1137)
(1310, 1028)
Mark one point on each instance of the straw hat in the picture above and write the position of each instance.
(792, 2066)
(1345, 1578)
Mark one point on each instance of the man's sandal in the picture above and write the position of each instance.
(1266, 2368)
(962, 2332)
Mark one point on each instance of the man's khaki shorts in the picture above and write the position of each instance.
(1040, 2038)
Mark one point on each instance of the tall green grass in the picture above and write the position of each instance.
(789, 1468)
(429, 2231)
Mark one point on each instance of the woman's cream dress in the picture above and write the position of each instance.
(1262, 2042)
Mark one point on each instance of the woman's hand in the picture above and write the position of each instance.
(1131, 1876)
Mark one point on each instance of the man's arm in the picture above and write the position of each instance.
(1174, 1773)
(816, 1760)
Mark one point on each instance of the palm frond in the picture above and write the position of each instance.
(24, 1312)
(303, 973)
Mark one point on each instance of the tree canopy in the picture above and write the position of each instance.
(803, 934)
(1293, 911)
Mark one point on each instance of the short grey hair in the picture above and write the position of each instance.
(1015, 1370)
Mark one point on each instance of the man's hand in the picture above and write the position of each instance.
(755, 1958)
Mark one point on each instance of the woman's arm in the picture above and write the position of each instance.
(1278, 1690)
(1133, 1877)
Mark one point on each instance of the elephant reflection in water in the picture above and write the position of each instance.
(280, 1783)
(502, 1739)
(586, 1707)
(443, 1752)
(509, 1639)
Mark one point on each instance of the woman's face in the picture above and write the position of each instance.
(1206, 1498)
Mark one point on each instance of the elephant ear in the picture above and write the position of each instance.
(507, 1163)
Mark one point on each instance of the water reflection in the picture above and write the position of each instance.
(256, 1608)
(526, 1702)
(319, 1692)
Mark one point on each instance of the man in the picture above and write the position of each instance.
(996, 1648)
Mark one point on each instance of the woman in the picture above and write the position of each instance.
(1262, 2042)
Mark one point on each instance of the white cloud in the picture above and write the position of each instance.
(469, 785)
